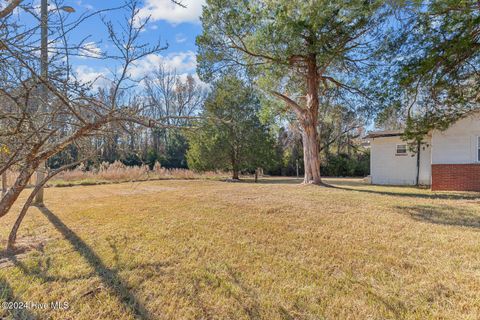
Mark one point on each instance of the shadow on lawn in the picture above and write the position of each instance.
(229, 282)
(109, 277)
(422, 195)
(392, 304)
(284, 180)
(7, 295)
(40, 270)
(354, 184)
(278, 181)
(444, 215)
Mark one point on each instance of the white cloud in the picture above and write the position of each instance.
(180, 38)
(85, 5)
(195, 76)
(90, 50)
(36, 6)
(182, 62)
(173, 13)
(96, 78)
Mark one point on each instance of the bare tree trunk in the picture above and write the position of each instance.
(43, 87)
(13, 233)
(11, 196)
(40, 176)
(9, 8)
(39, 187)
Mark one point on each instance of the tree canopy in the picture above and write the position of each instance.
(231, 136)
(438, 72)
(303, 53)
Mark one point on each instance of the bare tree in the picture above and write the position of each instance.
(174, 97)
(34, 134)
(13, 233)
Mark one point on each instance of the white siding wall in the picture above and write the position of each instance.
(457, 144)
(388, 168)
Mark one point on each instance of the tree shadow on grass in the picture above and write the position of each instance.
(444, 215)
(7, 295)
(247, 298)
(109, 277)
(229, 283)
(421, 195)
(40, 271)
(273, 180)
(279, 181)
(395, 306)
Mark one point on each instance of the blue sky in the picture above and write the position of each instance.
(169, 24)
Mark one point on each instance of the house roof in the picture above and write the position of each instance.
(385, 133)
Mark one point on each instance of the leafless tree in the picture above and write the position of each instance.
(41, 115)
(173, 97)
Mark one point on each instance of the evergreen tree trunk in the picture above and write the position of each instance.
(309, 122)
(311, 157)
(308, 118)
(235, 174)
(234, 159)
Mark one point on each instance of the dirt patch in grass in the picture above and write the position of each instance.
(22, 248)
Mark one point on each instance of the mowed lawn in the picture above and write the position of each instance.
(271, 250)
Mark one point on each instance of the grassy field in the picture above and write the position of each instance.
(272, 250)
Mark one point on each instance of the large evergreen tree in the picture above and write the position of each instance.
(231, 136)
(301, 52)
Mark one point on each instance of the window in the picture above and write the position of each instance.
(401, 150)
(478, 148)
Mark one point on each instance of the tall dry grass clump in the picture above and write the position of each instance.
(119, 172)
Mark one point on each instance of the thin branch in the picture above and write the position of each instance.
(9, 8)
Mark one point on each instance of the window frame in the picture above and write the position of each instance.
(478, 148)
(401, 153)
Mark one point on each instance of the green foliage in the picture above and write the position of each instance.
(69, 155)
(133, 159)
(152, 157)
(176, 151)
(272, 40)
(438, 75)
(231, 137)
(306, 54)
(418, 126)
(343, 165)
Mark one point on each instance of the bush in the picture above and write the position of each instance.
(344, 166)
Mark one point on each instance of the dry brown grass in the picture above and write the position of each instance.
(272, 250)
(118, 172)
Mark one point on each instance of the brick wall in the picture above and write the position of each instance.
(456, 177)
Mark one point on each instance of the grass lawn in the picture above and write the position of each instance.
(272, 250)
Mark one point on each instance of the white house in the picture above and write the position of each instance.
(447, 160)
